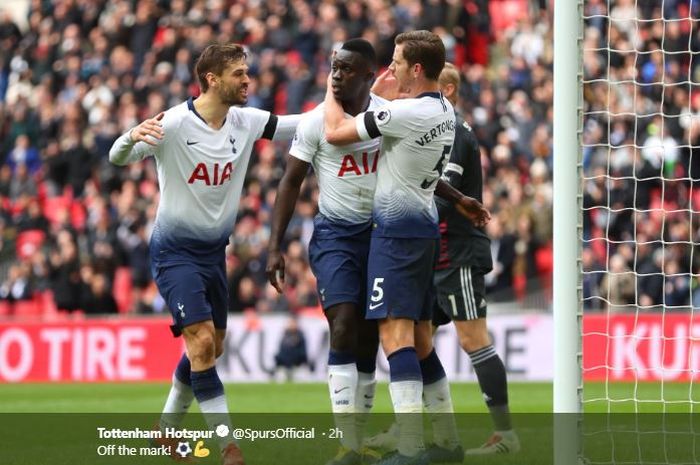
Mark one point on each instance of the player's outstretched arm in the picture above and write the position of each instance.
(286, 126)
(126, 149)
(287, 194)
(468, 207)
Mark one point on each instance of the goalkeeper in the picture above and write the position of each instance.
(464, 259)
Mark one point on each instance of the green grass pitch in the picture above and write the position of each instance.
(242, 398)
(313, 398)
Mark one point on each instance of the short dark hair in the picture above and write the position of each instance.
(423, 47)
(363, 48)
(214, 59)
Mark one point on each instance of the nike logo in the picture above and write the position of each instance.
(192, 142)
(336, 391)
(373, 306)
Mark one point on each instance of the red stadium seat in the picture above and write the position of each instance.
(520, 286)
(123, 289)
(544, 259)
(15, 208)
(54, 205)
(27, 309)
(78, 216)
(506, 13)
(28, 242)
(48, 305)
(696, 200)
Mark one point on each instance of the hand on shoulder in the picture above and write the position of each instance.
(150, 127)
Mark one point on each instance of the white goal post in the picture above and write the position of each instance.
(626, 230)
(567, 307)
(567, 200)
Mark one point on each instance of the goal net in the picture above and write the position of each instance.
(640, 164)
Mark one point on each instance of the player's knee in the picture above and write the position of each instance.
(343, 338)
(473, 341)
(393, 341)
(343, 332)
(473, 334)
(201, 347)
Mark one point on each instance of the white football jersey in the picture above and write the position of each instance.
(347, 174)
(417, 137)
(201, 172)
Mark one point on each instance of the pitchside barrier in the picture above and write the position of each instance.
(620, 347)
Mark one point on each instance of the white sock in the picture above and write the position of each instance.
(364, 400)
(408, 406)
(438, 403)
(342, 387)
(215, 411)
(176, 406)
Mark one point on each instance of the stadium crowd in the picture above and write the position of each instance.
(74, 230)
(641, 159)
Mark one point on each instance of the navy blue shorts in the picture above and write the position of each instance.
(193, 293)
(338, 259)
(400, 278)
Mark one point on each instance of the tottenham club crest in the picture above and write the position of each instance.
(233, 144)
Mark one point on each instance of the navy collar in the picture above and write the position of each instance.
(190, 106)
(430, 94)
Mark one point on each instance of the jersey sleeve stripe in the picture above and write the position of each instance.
(371, 125)
(270, 128)
(362, 129)
(454, 167)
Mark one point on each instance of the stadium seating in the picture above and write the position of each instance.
(123, 289)
(29, 242)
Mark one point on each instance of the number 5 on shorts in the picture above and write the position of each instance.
(377, 291)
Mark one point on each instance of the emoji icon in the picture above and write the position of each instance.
(200, 450)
